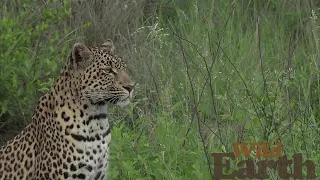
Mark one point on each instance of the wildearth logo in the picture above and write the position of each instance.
(249, 169)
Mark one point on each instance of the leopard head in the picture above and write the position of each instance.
(101, 76)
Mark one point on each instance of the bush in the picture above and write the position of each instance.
(32, 48)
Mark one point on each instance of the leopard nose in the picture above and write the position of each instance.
(129, 87)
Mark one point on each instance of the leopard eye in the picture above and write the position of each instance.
(114, 71)
(105, 70)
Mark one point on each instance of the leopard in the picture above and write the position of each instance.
(69, 134)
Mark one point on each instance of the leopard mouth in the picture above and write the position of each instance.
(121, 101)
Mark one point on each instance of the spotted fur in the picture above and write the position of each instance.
(69, 134)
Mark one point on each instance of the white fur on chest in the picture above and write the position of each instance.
(93, 148)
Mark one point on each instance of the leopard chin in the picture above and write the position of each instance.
(124, 102)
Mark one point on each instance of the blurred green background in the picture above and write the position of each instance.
(209, 73)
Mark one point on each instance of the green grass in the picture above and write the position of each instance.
(209, 73)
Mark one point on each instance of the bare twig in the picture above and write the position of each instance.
(195, 103)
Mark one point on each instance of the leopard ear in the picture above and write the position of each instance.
(80, 53)
(108, 46)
